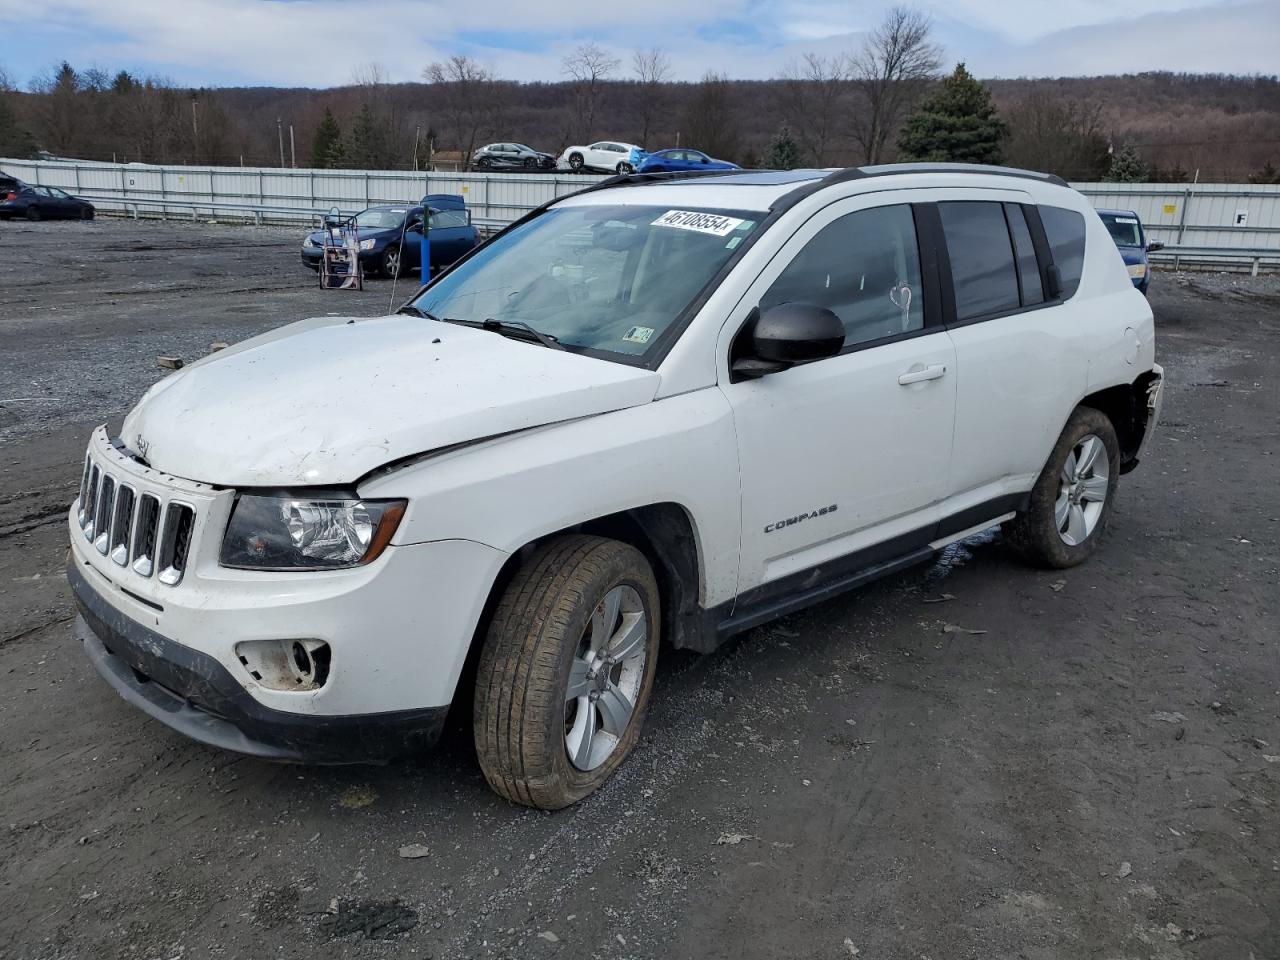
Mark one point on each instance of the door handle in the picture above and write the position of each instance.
(931, 372)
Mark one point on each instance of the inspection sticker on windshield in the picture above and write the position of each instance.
(1125, 220)
(712, 223)
(638, 335)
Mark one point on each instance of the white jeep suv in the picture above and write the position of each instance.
(667, 407)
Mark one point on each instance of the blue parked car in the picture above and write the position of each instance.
(1131, 240)
(680, 159)
(391, 236)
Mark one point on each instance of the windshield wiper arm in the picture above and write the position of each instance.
(505, 327)
(413, 311)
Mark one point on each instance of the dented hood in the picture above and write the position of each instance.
(326, 400)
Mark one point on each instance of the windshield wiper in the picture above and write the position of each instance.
(413, 311)
(507, 327)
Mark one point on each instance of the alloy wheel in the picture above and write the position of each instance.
(1082, 490)
(605, 678)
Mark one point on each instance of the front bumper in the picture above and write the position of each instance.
(192, 693)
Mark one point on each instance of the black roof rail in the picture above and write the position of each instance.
(640, 179)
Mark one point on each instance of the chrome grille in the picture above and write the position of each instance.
(146, 533)
(175, 542)
(143, 549)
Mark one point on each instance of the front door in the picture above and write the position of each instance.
(844, 460)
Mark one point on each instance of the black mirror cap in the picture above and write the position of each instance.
(797, 333)
(1155, 245)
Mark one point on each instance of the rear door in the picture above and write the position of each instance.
(1020, 367)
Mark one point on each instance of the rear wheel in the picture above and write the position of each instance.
(566, 671)
(1071, 502)
(33, 212)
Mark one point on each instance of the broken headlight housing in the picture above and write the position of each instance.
(307, 533)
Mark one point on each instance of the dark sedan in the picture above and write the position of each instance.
(512, 156)
(39, 203)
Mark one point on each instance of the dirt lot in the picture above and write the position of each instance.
(1095, 775)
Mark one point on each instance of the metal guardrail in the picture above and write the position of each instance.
(255, 211)
(1254, 255)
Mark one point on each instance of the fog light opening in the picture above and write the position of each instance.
(302, 660)
(286, 664)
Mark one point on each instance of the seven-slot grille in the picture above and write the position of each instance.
(136, 530)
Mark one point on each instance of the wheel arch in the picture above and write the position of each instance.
(1125, 405)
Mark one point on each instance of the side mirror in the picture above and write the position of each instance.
(1155, 245)
(705, 160)
(333, 218)
(1053, 281)
(788, 334)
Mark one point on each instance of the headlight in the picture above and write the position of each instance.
(1137, 270)
(367, 244)
(287, 533)
(309, 243)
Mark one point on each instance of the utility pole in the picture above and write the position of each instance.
(417, 132)
(280, 137)
(293, 157)
(195, 130)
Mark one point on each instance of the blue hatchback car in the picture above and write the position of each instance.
(390, 235)
(680, 159)
(1131, 240)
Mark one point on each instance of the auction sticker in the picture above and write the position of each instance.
(638, 335)
(712, 223)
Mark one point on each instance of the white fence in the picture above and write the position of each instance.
(502, 197)
(1200, 215)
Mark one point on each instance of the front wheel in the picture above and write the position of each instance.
(625, 168)
(392, 262)
(86, 213)
(566, 671)
(575, 162)
(1071, 502)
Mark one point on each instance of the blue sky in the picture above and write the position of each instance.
(323, 42)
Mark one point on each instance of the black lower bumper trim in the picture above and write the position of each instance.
(192, 693)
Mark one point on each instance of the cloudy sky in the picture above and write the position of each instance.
(322, 42)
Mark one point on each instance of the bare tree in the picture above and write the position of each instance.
(890, 71)
(471, 98)
(589, 67)
(810, 97)
(710, 121)
(6, 80)
(652, 68)
(1058, 135)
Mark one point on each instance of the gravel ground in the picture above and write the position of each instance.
(1095, 775)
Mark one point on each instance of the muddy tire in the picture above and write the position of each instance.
(1071, 502)
(566, 671)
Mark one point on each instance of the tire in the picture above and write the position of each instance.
(624, 168)
(33, 213)
(1066, 517)
(484, 163)
(531, 163)
(543, 636)
(86, 213)
(575, 162)
(391, 263)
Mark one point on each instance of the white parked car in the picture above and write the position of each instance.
(659, 411)
(606, 156)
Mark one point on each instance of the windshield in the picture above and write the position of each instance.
(1125, 231)
(380, 219)
(608, 278)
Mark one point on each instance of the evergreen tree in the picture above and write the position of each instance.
(367, 147)
(15, 140)
(1268, 174)
(1127, 166)
(326, 144)
(784, 152)
(957, 123)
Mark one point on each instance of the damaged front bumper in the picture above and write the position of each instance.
(194, 694)
(1155, 402)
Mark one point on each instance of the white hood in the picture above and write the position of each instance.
(326, 400)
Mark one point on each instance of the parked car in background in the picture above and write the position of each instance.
(604, 156)
(608, 430)
(40, 203)
(390, 235)
(1131, 240)
(681, 159)
(512, 156)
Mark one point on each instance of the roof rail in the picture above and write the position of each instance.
(897, 169)
(640, 179)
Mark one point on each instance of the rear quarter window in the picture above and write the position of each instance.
(1064, 230)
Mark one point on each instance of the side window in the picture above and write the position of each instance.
(982, 267)
(1065, 232)
(865, 268)
(1025, 252)
(441, 219)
